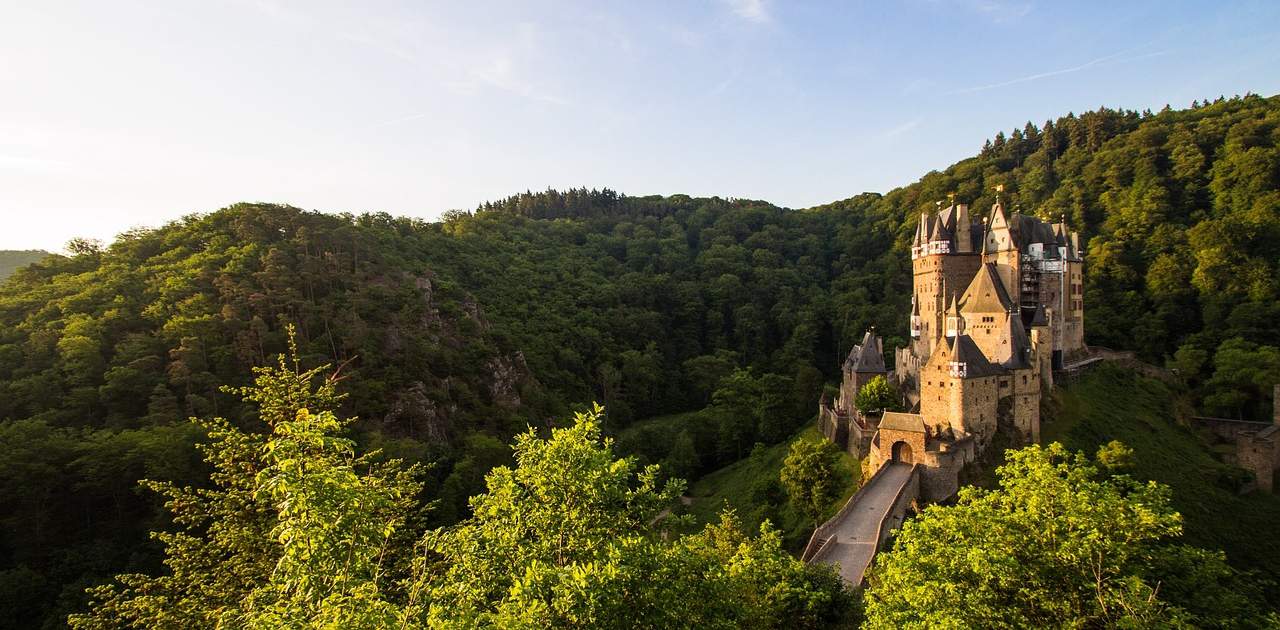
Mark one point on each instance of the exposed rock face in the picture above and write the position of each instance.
(427, 408)
(507, 373)
(416, 413)
(430, 314)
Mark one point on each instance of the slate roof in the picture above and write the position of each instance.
(940, 232)
(868, 357)
(898, 421)
(1023, 230)
(1039, 318)
(945, 225)
(986, 293)
(1028, 230)
(964, 350)
(1019, 344)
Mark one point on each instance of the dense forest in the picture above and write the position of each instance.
(451, 337)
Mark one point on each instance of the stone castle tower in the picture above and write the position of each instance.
(996, 305)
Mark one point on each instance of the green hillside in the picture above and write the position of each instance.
(1111, 403)
(11, 260)
(751, 488)
(449, 337)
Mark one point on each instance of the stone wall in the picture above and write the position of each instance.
(1073, 322)
(859, 438)
(940, 474)
(1229, 429)
(1042, 351)
(830, 425)
(1258, 453)
(888, 438)
(907, 374)
(974, 406)
(935, 396)
(933, 273)
(1257, 446)
(1026, 404)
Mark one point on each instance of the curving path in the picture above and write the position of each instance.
(854, 539)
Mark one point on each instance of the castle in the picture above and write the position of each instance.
(996, 306)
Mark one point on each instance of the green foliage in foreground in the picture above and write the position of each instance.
(302, 532)
(1110, 403)
(752, 488)
(454, 335)
(878, 395)
(808, 475)
(1059, 544)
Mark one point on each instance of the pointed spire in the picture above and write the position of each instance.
(998, 219)
(999, 229)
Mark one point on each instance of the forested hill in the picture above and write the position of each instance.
(10, 260)
(449, 336)
(1181, 213)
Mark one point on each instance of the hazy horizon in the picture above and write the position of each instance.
(136, 114)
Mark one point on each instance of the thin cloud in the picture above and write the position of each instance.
(1116, 58)
(750, 10)
(894, 132)
(1000, 12)
(464, 69)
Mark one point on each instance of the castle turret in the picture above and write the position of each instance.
(942, 262)
(1001, 248)
(865, 362)
(958, 389)
(1042, 346)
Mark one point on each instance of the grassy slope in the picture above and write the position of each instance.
(1113, 403)
(738, 485)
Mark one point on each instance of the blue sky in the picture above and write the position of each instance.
(121, 114)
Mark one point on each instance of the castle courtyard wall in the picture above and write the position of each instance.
(975, 405)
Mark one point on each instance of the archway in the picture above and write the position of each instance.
(902, 452)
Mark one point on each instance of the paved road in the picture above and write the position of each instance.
(855, 534)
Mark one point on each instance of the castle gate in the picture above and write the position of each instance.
(902, 452)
